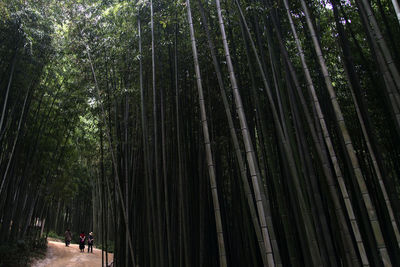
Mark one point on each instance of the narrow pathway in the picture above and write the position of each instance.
(58, 255)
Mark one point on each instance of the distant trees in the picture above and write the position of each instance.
(44, 173)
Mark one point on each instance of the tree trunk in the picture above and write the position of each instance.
(349, 145)
(209, 157)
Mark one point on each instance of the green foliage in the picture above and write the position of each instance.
(54, 235)
(21, 253)
(58, 154)
(110, 246)
(13, 256)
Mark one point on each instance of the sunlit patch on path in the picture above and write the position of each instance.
(59, 255)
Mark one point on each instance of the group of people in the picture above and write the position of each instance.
(82, 240)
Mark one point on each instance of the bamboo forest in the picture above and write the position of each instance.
(202, 133)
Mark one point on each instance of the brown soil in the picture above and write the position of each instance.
(58, 255)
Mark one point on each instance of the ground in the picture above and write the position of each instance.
(58, 255)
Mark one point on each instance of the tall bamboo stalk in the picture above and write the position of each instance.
(232, 130)
(378, 45)
(118, 186)
(250, 155)
(332, 154)
(396, 9)
(353, 78)
(7, 93)
(378, 36)
(209, 157)
(348, 144)
(11, 156)
(309, 231)
(155, 140)
(261, 129)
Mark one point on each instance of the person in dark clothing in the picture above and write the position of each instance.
(90, 242)
(82, 239)
(68, 237)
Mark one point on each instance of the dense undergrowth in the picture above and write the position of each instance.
(22, 252)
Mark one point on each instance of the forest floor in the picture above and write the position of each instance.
(58, 255)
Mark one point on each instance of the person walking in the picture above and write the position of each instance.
(68, 237)
(90, 242)
(82, 239)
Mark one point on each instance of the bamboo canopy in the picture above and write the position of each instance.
(202, 133)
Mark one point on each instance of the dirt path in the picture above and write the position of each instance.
(58, 255)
